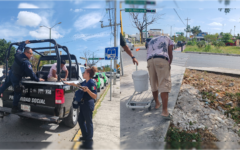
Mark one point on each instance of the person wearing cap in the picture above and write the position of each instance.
(52, 76)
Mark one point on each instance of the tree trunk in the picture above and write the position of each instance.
(141, 40)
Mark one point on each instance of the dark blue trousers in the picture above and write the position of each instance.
(14, 81)
(85, 119)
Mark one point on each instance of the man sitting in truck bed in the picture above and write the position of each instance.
(52, 76)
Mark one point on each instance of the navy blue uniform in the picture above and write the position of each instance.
(86, 111)
(20, 68)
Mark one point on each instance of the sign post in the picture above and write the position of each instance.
(111, 53)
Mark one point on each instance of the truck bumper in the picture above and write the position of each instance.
(33, 115)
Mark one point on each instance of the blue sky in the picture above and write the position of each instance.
(80, 29)
(203, 13)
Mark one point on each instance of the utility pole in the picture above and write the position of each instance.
(187, 27)
(145, 6)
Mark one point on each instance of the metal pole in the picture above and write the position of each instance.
(145, 6)
(115, 35)
(121, 62)
(50, 42)
(111, 80)
(121, 59)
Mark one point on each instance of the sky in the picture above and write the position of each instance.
(80, 29)
(203, 13)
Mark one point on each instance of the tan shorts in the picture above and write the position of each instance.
(52, 79)
(159, 74)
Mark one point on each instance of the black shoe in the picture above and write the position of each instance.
(14, 110)
(82, 139)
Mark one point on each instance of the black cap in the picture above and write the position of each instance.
(63, 62)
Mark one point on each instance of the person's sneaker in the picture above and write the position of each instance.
(14, 110)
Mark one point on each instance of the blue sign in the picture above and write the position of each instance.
(115, 70)
(111, 53)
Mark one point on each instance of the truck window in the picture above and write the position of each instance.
(46, 68)
(82, 70)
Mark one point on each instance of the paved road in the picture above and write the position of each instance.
(15, 129)
(194, 60)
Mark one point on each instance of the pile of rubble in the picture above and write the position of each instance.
(193, 112)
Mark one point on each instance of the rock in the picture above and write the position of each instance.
(201, 126)
(212, 87)
(219, 119)
(239, 125)
(193, 140)
(230, 116)
(230, 103)
(221, 103)
(231, 84)
(205, 117)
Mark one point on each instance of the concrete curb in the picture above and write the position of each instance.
(233, 72)
(213, 53)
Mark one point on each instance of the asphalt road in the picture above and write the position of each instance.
(193, 60)
(15, 129)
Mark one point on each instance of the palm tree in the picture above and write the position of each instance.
(196, 30)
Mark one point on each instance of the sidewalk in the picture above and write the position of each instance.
(106, 122)
(142, 125)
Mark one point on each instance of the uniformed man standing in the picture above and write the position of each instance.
(21, 68)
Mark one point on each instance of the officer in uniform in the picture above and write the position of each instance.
(86, 104)
(21, 68)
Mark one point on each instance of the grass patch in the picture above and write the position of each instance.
(221, 50)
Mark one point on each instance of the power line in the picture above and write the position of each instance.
(179, 16)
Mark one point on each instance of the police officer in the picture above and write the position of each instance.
(87, 104)
(21, 68)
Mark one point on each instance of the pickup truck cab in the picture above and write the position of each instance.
(47, 101)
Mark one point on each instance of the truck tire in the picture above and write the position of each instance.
(72, 118)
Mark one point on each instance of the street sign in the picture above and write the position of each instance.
(95, 58)
(115, 70)
(151, 10)
(138, 10)
(111, 53)
(179, 32)
(151, 2)
(137, 2)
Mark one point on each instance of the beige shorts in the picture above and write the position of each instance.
(52, 79)
(159, 74)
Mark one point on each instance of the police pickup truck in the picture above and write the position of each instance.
(47, 101)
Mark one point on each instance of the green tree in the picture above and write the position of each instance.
(180, 38)
(211, 37)
(227, 38)
(4, 45)
(196, 30)
(188, 29)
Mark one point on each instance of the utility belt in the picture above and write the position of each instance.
(76, 104)
(157, 56)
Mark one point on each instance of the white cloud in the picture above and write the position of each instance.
(216, 28)
(201, 8)
(76, 1)
(233, 20)
(219, 19)
(76, 10)
(94, 6)
(32, 6)
(215, 24)
(12, 32)
(43, 33)
(84, 21)
(85, 37)
(27, 6)
(26, 18)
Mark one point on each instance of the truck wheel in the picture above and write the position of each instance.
(72, 118)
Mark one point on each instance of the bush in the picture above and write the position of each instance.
(200, 44)
(190, 43)
(215, 43)
(220, 44)
(207, 48)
